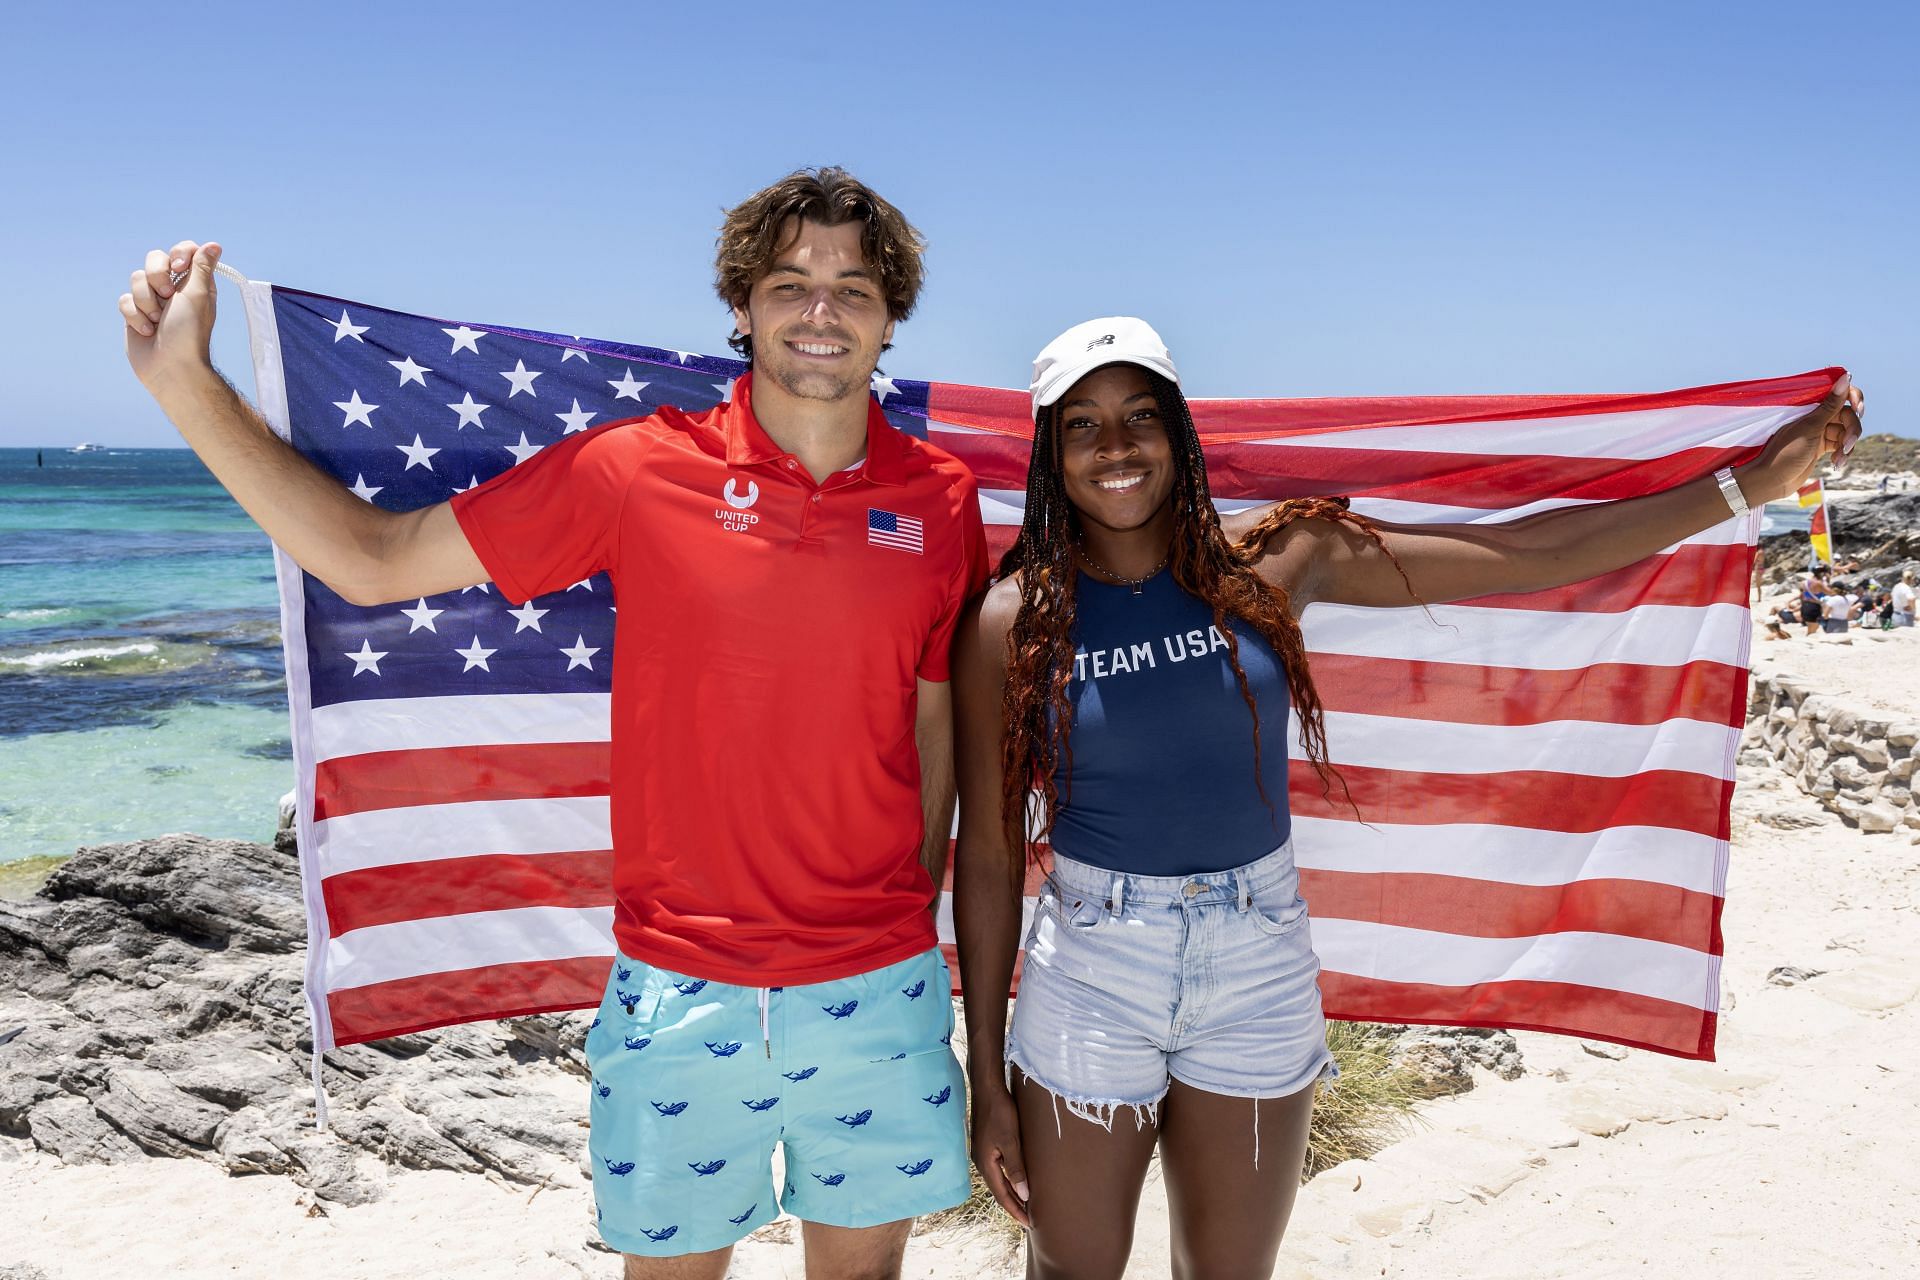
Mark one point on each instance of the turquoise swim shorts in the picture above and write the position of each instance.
(696, 1082)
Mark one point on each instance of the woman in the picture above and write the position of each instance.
(1169, 995)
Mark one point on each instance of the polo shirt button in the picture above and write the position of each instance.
(816, 497)
(791, 464)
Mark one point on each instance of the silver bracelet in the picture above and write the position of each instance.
(1730, 489)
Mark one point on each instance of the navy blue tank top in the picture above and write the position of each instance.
(1162, 781)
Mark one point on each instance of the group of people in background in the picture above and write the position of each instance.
(1834, 605)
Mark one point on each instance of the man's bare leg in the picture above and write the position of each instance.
(855, 1253)
(711, 1265)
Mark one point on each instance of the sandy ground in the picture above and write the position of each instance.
(1789, 1157)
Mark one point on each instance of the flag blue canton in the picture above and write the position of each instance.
(408, 411)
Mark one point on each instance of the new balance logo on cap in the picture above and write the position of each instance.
(1103, 341)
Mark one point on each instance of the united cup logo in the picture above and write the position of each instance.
(734, 517)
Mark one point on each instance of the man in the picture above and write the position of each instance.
(790, 568)
(1903, 599)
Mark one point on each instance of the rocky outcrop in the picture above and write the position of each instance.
(1857, 763)
(1445, 1057)
(150, 1005)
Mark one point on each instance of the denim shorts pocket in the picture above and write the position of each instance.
(1077, 911)
(1278, 920)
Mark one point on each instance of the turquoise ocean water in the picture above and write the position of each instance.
(141, 688)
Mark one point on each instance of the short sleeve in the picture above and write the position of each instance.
(555, 518)
(969, 579)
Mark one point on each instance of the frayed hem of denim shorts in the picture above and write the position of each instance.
(1100, 1111)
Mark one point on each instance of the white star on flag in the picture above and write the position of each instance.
(686, 355)
(421, 616)
(465, 337)
(473, 482)
(362, 490)
(522, 451)
(571, 354)
(366, 659)
(356, 411)
(410, 371)
(346, 328)
(521, 377)
(527, 616)
(418, 455)
(626, 388)
(883, 387)
(584, 582)
(581, 655)
(476, 655)
(481, 587)
(577, 420)
(470, 410)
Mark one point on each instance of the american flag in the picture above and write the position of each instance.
(1544, 778)
(890, 530)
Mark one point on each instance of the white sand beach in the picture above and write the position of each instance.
(1789, 1157)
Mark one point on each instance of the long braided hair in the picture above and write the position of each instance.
(1204, 564)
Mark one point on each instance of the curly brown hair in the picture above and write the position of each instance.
(1205, 565)
(756, 230)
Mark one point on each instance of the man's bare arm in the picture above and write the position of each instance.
(933, 736)
(367, 554)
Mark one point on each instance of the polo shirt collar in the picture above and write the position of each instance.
(748, 442)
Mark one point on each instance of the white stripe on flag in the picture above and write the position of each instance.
(411, 724)
(434, 832)
(415, 948)
(1394, 953)
(1513, 855)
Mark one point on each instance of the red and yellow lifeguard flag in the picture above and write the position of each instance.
(1813, 494)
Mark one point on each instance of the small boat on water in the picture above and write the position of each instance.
(87, 448)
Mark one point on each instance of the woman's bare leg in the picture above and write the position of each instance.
(1228, 1216)
(1085, 1181)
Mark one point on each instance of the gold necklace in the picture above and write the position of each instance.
(1135, 583)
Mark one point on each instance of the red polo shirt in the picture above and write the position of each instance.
(766, 786)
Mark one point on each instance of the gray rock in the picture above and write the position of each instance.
(1851, 774)
(1903, 733)
(155, 988)
(1868, 815)
(1446, 1056)
(70, 1128)
(1790, 819)
(1788, 975)
(1871, 752)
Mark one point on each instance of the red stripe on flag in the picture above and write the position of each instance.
(1689, 576)
(452, 775)
(1495, 909)
(1561, 1007)
(405, 1005)
(1001, 410)
(1461, 693)
(1538, 800)
(457, 886)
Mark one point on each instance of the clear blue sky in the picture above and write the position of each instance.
(1344, 199)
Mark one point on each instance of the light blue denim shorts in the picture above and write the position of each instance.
(1133, 981)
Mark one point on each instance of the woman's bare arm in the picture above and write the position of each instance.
(1322, 561)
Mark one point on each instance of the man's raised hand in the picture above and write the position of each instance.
(169, 311)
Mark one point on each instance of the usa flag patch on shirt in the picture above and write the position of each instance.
(886, 529)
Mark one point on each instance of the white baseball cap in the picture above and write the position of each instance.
(1088, 346)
